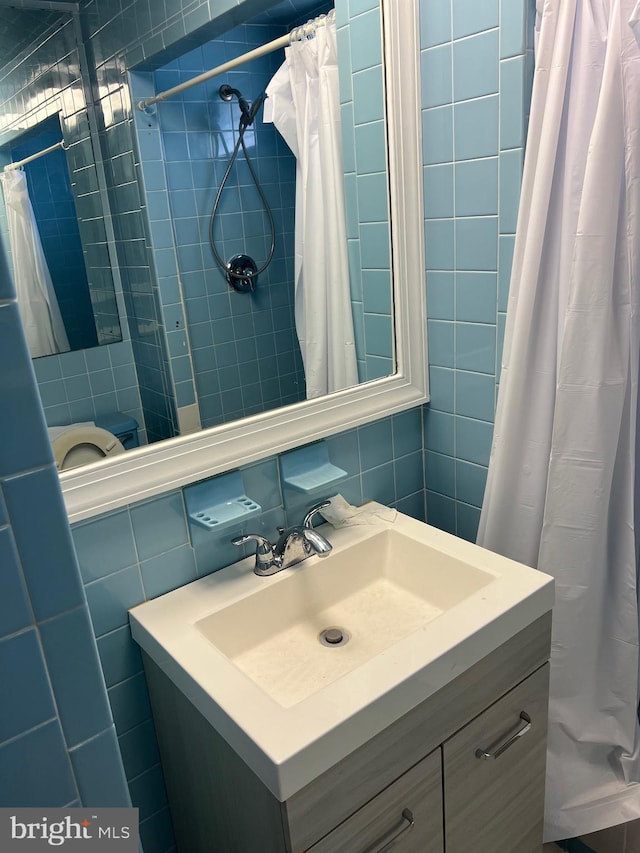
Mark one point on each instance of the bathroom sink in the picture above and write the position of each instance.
(371, 594)
(408, 608)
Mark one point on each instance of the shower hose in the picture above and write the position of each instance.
(241, 272)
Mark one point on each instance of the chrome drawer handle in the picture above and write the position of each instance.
(388, 840)
(484, 754)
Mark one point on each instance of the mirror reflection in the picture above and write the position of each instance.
(249, 276)
(62, 310)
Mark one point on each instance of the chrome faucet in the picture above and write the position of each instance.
(294, 545)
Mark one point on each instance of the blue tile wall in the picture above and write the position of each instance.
(55, 709)
(476, 59)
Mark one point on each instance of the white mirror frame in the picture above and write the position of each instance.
(172, 463)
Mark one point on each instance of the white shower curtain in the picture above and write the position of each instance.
(37, 300)
(562, 487)
(303, 103)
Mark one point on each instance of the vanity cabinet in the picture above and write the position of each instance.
(419, 786)
(405, 817)
(495, 804)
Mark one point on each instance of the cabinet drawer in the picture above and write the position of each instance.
(495, 804)
(405, 818)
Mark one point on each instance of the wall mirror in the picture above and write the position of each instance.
(179, 460)
(58, 238)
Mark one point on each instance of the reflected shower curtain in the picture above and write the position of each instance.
(562, 489)
(303, 103)
(37, 300)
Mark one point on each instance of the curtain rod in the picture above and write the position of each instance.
(35, 156)
(297, 34)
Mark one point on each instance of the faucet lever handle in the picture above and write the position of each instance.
(263, 546)
(314, 511)
(266, 559)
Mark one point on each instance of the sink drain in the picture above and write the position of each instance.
(333, 637)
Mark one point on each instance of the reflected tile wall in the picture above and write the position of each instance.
(476, 79)
(82, 385)
(155, 39)
(51, 197)
(130, 224)
(240, 350)
(147, 36)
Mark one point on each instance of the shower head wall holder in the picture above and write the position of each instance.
(241, 273)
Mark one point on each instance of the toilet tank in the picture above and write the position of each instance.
(124, 427)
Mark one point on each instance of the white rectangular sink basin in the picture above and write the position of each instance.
(419, 607)
(375, 593)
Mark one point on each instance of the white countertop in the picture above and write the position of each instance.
(288, 747)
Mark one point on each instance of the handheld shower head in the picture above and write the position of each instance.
(255, 106)
(241, 271)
